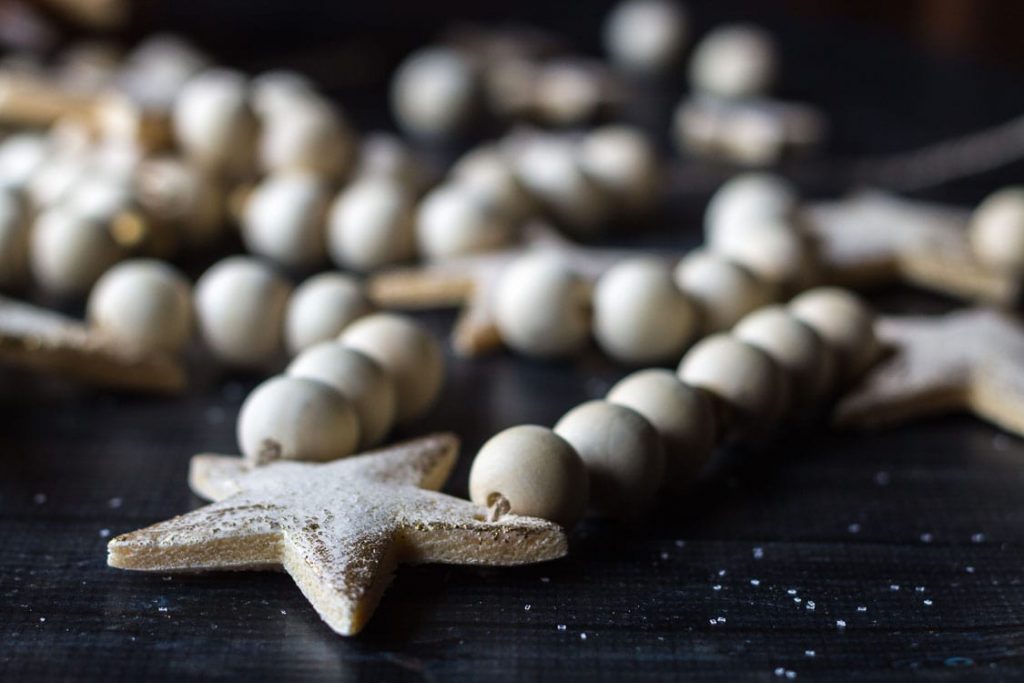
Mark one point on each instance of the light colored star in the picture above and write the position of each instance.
(970, 360)
(339, 529)
(470, 282)
(43, 340)
(872, 238)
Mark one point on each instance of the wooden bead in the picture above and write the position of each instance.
(734, 61)
(747, 199)
(359, 378)
(68, 253)
(370, 225)
(796, 348)
(434, 92)
(749, 384)
(306, 134)
(683, 417)
(407, 352)
(844, 322)
(535, 470)
(143, 304)
(646, 36)
(321, 307)
(775, 252)
(541, 307)
(284, 220)
(622, 453)
(21, 156)
(240, 304)
(291, 418)
(640, 316)
(997, 230)
(723, 290)
(14, 239)
(621, 161)
(486, 174)
(452, 221)
(212, 121)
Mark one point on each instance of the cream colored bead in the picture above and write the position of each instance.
(274, 92)
(212, 122)
(68, 253)
(997, 230)
(623, 163)
(291, 418)
(742, 376)
(541, 307)
(407, 352)
(734, 61)
(796, 348)
(723, 290)
(99, 197)
(14, 238)
(747, 199)
(386, 156)
(434, 92)
(306, 134)
(144, 304)
(622, 453)
(21, 156)
(320, 308)
(683, 417)
(567, 92)
(775, 252)
(535, 470)
(359, 378)
(55, 179)
(640, 316)
(370, 225)
(452, 221)
(488, 175)
(240, 304)
(284, 220)
(186, 196)
(844, 322)
(646, 36)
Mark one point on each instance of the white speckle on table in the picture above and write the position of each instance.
(790, 674)
(840, 623)
(809, 653)
(854, 528)
(161, 609)
(894, 587)
(978, 538)
(680, 543)
(583, 636)
(755, 582)
(927, 537)
(664, 555)
(115, 503)
(790, 591)
(527, 607)
(39, 498)
(104, 533)
(927, 602)
(969, 569)
(758, 553)
(810, 605)
(797, 600)
(545, 579)
(919, 589)
(722, 572)
(882, 478)
(717, 587)
(779, 671)
(41, 619)
(862, 608)
(284, 611)
(561, 627)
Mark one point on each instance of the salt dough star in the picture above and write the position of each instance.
(40, 339)
(971, 360)
(872, 238)
(339, 529)
(470, 281)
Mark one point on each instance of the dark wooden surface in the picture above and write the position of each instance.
(913, 538)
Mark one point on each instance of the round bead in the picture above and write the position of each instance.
(997, 230)
(536, 471)
(68, 253)
(452, 222)
(734, 61)
(240, 305)
(99, 197)
(370, 225)
(774, 252)
(283, 220)
(291, 418)
(274, 92)
(434, 92)
(21, 156)
(566, 92)
(541, 307)
(407, 352)
(742, 376)
(145, 304)
(645, 36)
(321, 307)
(622, 162)
(640, 316)
(622, 453)
(795, 347)
(183, 194)
(747, 199)
(844, 322)
(306, 134)
(387, 156)
(359, 378)
(683, 417)
(723, 290)
(212, 121)
(14, 238)
(55, 179)
(486, 174)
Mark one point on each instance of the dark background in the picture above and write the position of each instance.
(914, 537)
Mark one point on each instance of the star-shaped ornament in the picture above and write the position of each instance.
(872, 238)
(339, 529)
(970, 360)
(43, 340)
(470, 282)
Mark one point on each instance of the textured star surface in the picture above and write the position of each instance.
(872, 237)
(339, 529)
(970, 360)
(46, 341)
